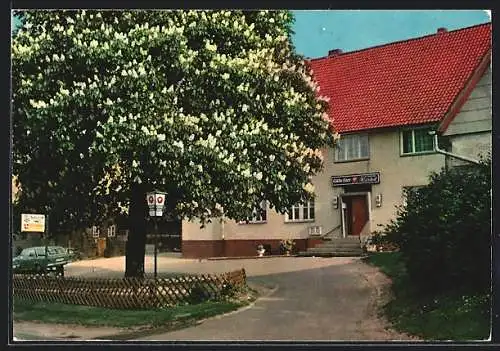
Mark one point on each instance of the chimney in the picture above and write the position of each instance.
(335, 52)
(442, 30)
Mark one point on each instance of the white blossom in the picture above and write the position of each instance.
(309, 188)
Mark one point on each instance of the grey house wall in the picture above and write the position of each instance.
(470, 132)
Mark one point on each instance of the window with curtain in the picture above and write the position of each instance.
(352, 147)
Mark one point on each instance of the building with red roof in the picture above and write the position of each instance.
(390, 103)
(410, 82)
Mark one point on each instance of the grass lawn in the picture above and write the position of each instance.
(447, 316)
(46, 312)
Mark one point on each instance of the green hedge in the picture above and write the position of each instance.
(444, 231)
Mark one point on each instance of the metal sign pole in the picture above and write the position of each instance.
(46, 235)
(156, 247)
(155, 200)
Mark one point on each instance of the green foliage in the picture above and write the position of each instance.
(381, 241)
(444, 231)
(287, 245)
(439, 316)
(230, 290)
(442, 317)
(199, 293)
(47, 312)
(213, 107)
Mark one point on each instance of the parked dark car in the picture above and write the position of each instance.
(34, 260)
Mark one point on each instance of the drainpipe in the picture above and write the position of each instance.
(438, 150)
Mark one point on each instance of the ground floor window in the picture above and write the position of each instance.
(301, 212)
(112, 231)
(259, 215)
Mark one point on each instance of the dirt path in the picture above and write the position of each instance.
(375, 326)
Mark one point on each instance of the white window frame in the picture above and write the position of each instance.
(95, 231)
(359, 157)
(112, 231)
(413, 152)
(300, 207)
(257, 217)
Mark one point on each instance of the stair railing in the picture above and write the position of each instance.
(330, 232)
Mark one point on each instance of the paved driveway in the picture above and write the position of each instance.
(115, 266)
(313, 298)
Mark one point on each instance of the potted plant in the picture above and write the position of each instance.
(260, 250)
(287, 246)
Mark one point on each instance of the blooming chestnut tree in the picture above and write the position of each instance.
(212, 107)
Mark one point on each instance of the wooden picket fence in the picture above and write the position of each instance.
(128, 293)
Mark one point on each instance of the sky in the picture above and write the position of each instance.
(317, 31)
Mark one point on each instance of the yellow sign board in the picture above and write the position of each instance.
(32, 222)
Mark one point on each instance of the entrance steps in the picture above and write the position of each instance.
(341, 247)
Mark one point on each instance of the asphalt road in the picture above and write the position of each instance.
(336, 302)
(330, 299)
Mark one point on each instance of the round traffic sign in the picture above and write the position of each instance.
(151, 199)
(159, 199)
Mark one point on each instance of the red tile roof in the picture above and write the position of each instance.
(403, 83)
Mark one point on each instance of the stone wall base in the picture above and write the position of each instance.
(238, 248)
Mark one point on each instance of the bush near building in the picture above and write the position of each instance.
(444, 231)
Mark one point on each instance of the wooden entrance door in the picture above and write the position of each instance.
(359, 214)
(101, 246)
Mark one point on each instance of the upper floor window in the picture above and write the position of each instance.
(352, 147)
(416, 141)
(259, 215)
(301, 212)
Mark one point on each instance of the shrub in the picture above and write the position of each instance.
(229, 290)
(287, 245)
(381, 242)
(198, 294)
(444, 231)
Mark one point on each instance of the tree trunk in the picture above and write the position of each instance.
(135, 249)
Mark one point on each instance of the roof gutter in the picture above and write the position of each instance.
(460, 157)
